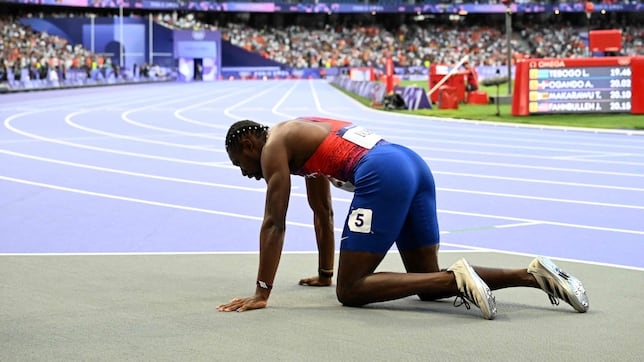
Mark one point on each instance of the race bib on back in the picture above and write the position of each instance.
(360, 136)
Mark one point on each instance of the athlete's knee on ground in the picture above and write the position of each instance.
(427, 297)
(348, 295)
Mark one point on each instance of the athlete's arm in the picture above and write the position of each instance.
(319, 196)
(271, 238)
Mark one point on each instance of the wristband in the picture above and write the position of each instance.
(264, 285)
(325, 273)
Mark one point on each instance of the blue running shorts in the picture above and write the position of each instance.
(394, 201)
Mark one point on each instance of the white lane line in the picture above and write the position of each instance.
(281, 101)
(530, 167)
(422, 121)
(101, 106)
(125, 114)
(68, 120)
(594, 155)
(466, 249)
(539, 198)
(450, 160)
(146, 202)
(135, 174)
(579, 261)
(546, 222)
(225, 164)
(181, 207)
(85, 138)
(539, 181)
(523, 156)
(228, 110)
(319, 107)
(521, 224)
(8, 125)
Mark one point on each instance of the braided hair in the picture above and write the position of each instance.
(241, 128)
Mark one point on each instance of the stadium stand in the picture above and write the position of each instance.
(338, 42)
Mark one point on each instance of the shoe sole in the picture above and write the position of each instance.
(489, 301)
(579, 302)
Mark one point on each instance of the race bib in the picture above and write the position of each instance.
(359, 221)
(361, 136)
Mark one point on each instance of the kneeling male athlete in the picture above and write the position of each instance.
(394, 201)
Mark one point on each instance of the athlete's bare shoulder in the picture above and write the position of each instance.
(300, 131)
(299, 137)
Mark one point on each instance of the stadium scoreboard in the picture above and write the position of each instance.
(580, 89)
(581, 85)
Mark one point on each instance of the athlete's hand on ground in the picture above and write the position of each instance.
(243, 304)
(316, 281)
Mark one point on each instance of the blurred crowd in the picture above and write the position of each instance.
(22, 49)
(415, 45)
(409, 44)
(26, 54)
(299, 46)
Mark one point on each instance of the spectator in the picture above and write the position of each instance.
(471, 77)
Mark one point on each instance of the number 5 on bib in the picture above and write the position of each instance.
(360, 221)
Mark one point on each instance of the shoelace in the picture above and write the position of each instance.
(553, 300)
(461, 300)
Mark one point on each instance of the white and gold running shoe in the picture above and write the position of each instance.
(473, 289)
(559, 284)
